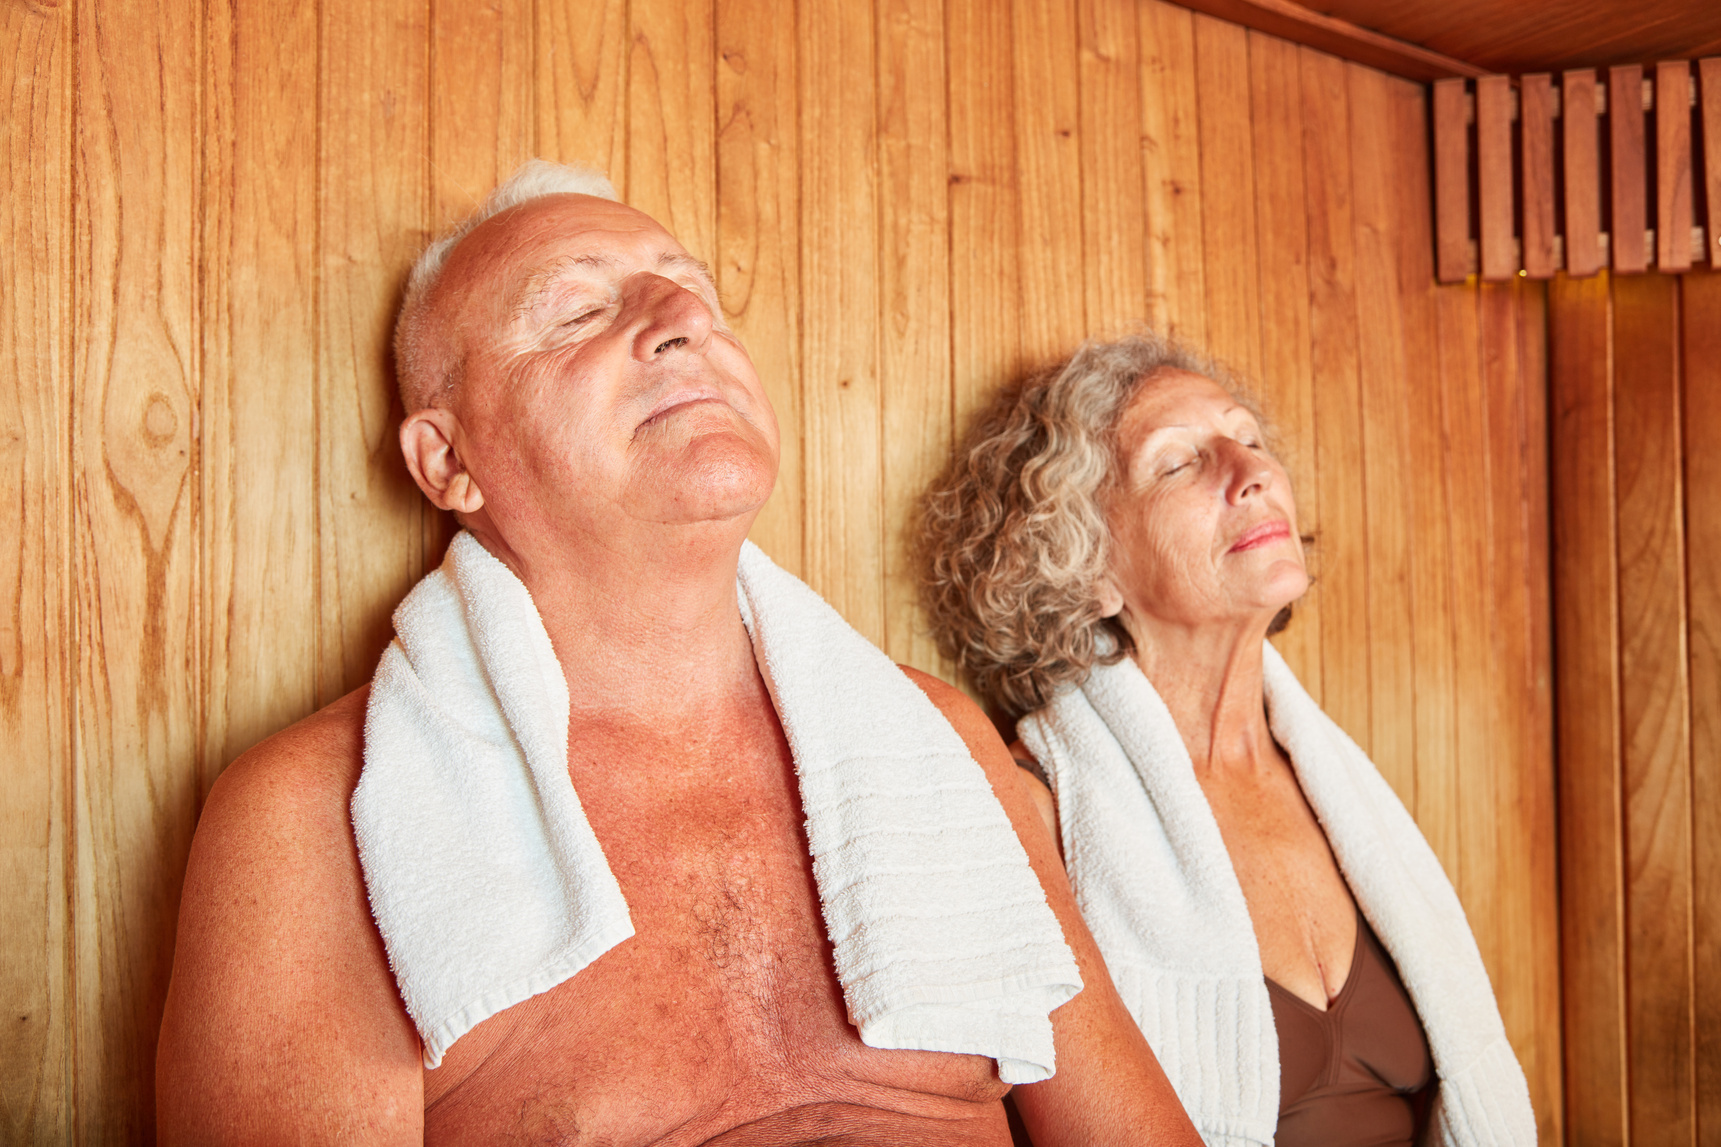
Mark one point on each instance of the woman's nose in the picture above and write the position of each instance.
(673, 318)
(1248, 471)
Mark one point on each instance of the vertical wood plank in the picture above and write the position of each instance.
(839, 276)
(1171, 171)
(672, 119)
(481, 112)
(985, 326)
(914, 298)
(1536, 136)
(1709, 89)
(1114, 221)
(582, 84)
(373, 217)
(1451, 181)
(1048, 177)
(1228, 235)
(37, 635)
(1628, 175)
(1286, 378)
(1673, 165)
(1494, 176)
(1700, 362)
(136, 529)
(1581, 142)
(1587, 692)
(758, 262)
(1340, 554)
(1653, 699)
(1382, 367)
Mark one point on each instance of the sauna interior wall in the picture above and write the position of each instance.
(207, 216)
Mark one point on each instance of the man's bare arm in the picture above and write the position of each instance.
(283, 1023)
(1109, 1087)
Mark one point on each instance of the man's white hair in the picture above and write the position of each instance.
(534, 179)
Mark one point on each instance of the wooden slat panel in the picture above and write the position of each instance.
(373, 216)
(1586, 628)
(1451, 181)
(1048, 177)
(1582, 172)
(985, 330)
(1340, 557)
(1700, 361)
(136, 527)
(758, 263)
(1627, 177)
(1536, 135)
(1171, 171)
(582, 84)
(1228, 194)
(37, 635)
(1653, 714)
(914, 294)
(1673, 165)
(1494, 176)
(671, 107)
(481, 56)
(1382, 367)
(1709, 84)
(1287, 377)
(840, 280)
(1114, 221)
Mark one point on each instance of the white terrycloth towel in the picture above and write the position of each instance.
(1156, 886)
(488, 885)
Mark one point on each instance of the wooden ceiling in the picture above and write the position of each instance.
(1519, 36)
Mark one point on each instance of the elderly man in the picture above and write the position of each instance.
(737, 924)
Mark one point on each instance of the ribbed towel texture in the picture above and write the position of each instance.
(488, 885)
(1157, 888)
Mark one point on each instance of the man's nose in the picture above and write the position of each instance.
(673, 318)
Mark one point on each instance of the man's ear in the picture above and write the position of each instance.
(427, 439)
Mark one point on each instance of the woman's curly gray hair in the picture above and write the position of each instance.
(1012, 538)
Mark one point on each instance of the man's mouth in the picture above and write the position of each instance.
(1264, 534)
(678, 400)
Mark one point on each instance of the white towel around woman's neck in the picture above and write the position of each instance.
(1156, 886)
(488, 885)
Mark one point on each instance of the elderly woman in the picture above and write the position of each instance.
(1106, 556)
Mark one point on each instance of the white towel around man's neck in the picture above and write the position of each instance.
(488, 885)
(1157, 888)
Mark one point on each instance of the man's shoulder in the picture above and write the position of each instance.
(303, 766)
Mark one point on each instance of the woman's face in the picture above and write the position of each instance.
(1203, 523)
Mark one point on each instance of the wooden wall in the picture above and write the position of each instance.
(1636, 410)
(208, 211)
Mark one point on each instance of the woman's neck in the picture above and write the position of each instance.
(1211, 682)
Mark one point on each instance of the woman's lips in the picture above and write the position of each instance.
(1262, 535)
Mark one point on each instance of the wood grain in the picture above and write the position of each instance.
(373, 216)
(1114, 206)
(671, 110)
(1673, 165)
(135, 526)
(1580, 134)
(1048, 177)
(1587, 698)
(1627, 174)
(1171, 171)
(1700, 390)
(1229, 247)
(38, 638)
(482, 110)
(1709, 90)
(1286, 374)
(840, 338)
(1653, 710)
(1340, 553)
(1451, 180)
(581, 55)
(914, 300)
(758, 261)
(1536, 147)
(1494, 177)
(1299, 23)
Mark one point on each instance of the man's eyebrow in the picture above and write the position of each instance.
(681, 259)
(524, 297)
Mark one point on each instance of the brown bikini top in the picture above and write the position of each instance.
(1358, 1074)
